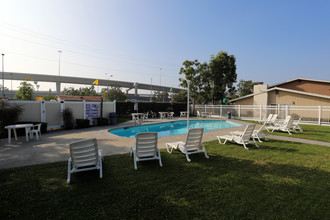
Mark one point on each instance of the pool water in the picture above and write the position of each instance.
(172, 128)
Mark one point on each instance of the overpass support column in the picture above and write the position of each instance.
(58, 88)
(136, 89)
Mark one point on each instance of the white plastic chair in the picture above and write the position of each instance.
(257, 134)
(199, 114)
(297, 126)
(146, 148)
(243, 138)
(35, 130)
(192, 144)
(286, 126)
(85, 156)
(170, 115)
(145, 116)
(267, 120)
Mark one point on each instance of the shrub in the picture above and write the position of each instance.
(9, 114)
(68, 118)
(82, 123)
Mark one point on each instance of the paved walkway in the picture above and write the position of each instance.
(299, 140)
(54, 145)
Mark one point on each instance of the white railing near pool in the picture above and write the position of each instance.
(310, 114)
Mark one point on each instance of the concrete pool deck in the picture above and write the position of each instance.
(54, 145)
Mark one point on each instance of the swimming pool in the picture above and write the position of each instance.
(172, 128)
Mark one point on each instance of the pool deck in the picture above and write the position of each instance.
(54, 145)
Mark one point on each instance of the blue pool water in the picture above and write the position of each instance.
(172, 128)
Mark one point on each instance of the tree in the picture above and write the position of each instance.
(114, 94)
(222, 74)
(180, 97)
(209, 81)
(245, 87)
(25, 91)
(86, 91)
(195, 72)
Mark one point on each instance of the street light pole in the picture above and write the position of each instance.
(110, 76)
(3, 76)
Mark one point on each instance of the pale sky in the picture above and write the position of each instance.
(136, 40)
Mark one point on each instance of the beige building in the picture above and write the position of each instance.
(296, 92)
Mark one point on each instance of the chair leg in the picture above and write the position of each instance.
(131, 150)
(69, 173)
(245, 146)
(135, 163)
(207, 156)
(187, 157)
(101, 163)
(160, 158)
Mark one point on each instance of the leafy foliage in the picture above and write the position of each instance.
(25, 91)
(86, 91)
(180, 97)
(209, 81)
(68, 118)
(114, 93)
(245, 87)
(9, 114)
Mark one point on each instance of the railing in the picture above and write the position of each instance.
(310, 114)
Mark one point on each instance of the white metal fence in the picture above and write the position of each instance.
(52, 111)
(310, 114)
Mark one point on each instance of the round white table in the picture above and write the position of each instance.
(14, 127)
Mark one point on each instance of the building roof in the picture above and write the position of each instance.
(78, 98)
(311, 80)
(282, 89)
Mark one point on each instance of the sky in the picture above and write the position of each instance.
(147, 41)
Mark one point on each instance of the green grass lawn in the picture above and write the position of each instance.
(281, 180)
(311, 132)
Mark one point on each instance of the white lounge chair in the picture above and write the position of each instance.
(146, 148)
(191, 145)
(257, 134)
(297, 126)
(243, 138)
(285, 126)
(273, 120)
(36, 129)
(267, 120)
(84, 155)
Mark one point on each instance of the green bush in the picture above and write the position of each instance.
(9, 114)
(82, 123)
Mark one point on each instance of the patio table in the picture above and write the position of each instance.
(183, 114)
(14, 127)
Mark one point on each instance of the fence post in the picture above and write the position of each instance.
(205, 108)
(62, 107)
(320, 114)
(239, 111)
(42, 111)
(286, 110)
(221, 111)
(84, 109)
(114, 105)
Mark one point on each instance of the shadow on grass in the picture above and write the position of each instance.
(219, 187)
